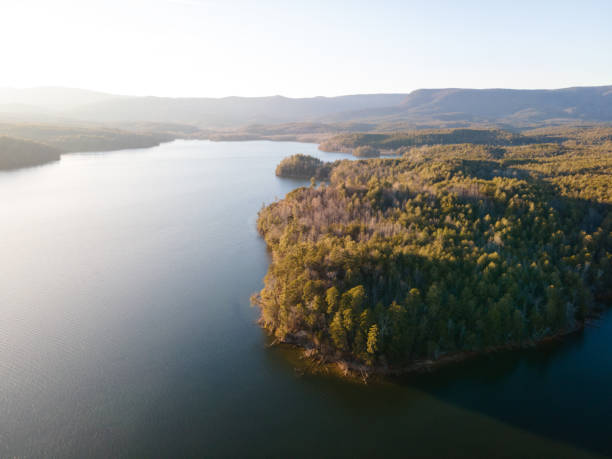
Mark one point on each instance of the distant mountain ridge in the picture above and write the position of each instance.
(52, 98)
(593, 103)
(503, 106)
(230, 111)
(514, 107)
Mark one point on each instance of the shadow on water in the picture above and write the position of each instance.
(558, 390)
(430, 415)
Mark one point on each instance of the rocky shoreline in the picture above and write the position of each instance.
(317, 361)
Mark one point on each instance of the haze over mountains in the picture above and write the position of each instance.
(508, 106)
(433, 107)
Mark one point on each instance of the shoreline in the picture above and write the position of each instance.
(318, 363)
(58, 156)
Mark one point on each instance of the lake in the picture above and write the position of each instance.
(126, 331)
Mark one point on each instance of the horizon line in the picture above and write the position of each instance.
(101, 92)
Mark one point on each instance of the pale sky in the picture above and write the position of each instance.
(255, 48)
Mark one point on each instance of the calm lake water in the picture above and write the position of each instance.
(126, 330)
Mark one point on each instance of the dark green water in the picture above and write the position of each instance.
(126, 330)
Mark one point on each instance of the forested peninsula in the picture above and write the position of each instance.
(449, 250)
(32, 144)
(16, 153)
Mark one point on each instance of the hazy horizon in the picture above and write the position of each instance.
(45, 87)
(208, 48)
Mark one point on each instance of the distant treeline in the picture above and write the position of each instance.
(349, 142)
(27, 144)
(395, 138)
(15, 153)
(75, 138)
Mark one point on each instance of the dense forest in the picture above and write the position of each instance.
(446, 250)
(303, 166)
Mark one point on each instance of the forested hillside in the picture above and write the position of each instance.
(446, 250)
(35, 143)
(70, 138)
(15, 153)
